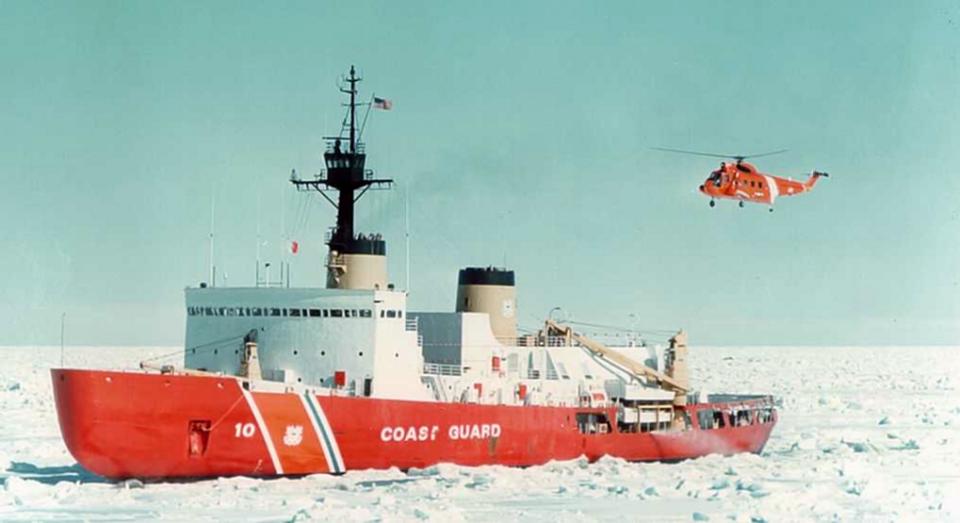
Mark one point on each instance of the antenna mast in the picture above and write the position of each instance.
(347, 176)
(213, 211)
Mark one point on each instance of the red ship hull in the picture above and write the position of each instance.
(129, 424)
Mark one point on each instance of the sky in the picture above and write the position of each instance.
(520, 135)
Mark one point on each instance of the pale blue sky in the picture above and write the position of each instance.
(521, 131)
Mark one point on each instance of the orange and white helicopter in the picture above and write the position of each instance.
(743, 182)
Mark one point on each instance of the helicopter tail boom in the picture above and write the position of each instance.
(814, 176)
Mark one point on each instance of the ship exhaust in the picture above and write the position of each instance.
(490, 290)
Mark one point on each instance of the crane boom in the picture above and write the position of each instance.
(634, 367)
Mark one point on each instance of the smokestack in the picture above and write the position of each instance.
(360, 264)
(491, 290)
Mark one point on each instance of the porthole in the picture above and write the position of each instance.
(295, 352)
(396, 354)
(215, 351)
(323, 353)
(361, 354)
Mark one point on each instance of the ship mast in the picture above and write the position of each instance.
(355, 261)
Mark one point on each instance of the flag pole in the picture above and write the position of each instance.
(363, 124)
(213, 215)
(406, 220)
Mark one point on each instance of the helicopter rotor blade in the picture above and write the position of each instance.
(695, 153)
(737, 157)
(761, 155)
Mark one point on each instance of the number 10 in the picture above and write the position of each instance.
(247, 430)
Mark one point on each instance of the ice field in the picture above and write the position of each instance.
(864, 434)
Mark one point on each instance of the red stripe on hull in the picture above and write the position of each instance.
(122, 425)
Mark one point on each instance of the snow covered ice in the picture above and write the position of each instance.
(864, 434)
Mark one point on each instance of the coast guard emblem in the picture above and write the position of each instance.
(293, 436)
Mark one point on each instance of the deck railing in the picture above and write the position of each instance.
(442, 369)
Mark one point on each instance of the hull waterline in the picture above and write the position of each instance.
(145, 425)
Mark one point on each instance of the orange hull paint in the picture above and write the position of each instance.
(126, 424)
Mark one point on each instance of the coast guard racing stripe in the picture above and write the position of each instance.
(327, 439)
(263, 430)
(292, 433)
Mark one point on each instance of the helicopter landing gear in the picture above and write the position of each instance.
(741, 204)
(712, 203)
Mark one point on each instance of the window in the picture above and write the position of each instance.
(326, 313)
(274, 312)
(366, 313)
(207, 311)
(399, 314)
(336, 313)
(383, 313)
(592, 423)
(391, 313)
(314, 313)
(353, 313)
(257, 311)
(295, 312)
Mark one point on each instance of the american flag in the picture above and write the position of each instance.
(382, 103)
